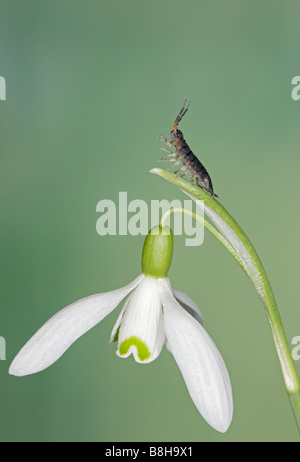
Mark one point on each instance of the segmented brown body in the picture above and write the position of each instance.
(183, 154)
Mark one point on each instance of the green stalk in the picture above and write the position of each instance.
(264, 289)
(208, 226)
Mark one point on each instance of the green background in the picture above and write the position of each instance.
(90, 85)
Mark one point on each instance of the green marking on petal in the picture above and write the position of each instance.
(116, 334)
(142, 349)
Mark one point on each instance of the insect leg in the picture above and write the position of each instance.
(167, 150)
(171, 152)
(163, 139)
(169, 157)
(176, 163)
(191, 177)
(181, 171)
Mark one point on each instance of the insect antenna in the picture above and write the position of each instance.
(182, 113)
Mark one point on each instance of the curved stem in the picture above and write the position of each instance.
(260, 280)
(210, 228)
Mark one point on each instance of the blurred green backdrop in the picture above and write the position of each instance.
(90, 85)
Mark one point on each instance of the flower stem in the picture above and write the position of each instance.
(210, 228)
(260, 280)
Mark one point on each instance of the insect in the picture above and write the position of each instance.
(184, 155)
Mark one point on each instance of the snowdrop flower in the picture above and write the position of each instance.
(154, 314)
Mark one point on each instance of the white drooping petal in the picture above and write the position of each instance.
(188, 304)
(57, 335)
(141, 332)
(235, 241)
(115, 332)
(199, 361)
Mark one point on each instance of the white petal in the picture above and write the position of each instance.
(199, 361)
(188, 304)
(141, 331)
(66, 326)
(117, 324)
(236, 243)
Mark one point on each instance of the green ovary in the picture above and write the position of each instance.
(142, 350)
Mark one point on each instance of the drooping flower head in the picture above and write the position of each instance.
(153, 314)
